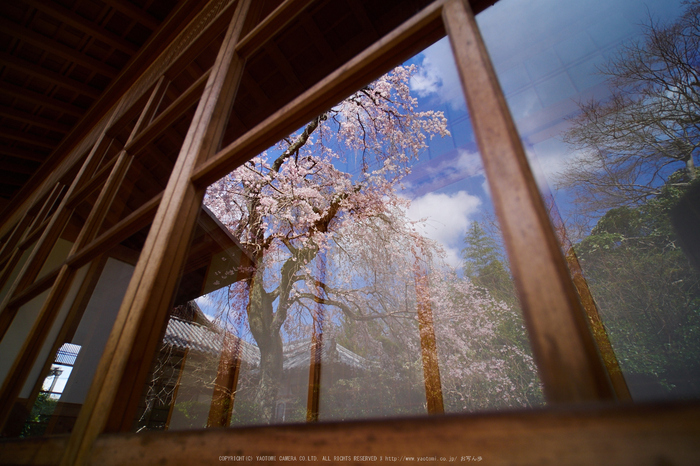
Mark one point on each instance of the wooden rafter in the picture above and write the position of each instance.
(28, 138)
(134, 12)
(67, 16)
(22, 154)
(63, 51)
(42, 73)
(37, 98)
(34, 120)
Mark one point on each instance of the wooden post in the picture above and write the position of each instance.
(226, 382)
(116, 388)
(569, 364)
(428, 346)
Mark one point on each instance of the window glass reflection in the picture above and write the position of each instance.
(353, 270)
(605, 97)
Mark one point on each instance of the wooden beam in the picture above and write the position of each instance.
(48, 44)
(135, 13)
(47, 75)
(116, 387)
(37, 98)
(11, 179)
(33, 120)
(640, 435)
(32, 291)
(634, 436)
(71, 322)
(22, 154)
(18, 167)
(90, 185)
(569, 365)
(280, 17)
(168, 116)
(423, 28)
(84, 25)
(131, 224)
(27, 138)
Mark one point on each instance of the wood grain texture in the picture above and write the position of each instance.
(569, 365)
(115, 390)
(634, 436)
(377, 59)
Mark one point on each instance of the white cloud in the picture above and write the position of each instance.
(446, 218)
(438, 76)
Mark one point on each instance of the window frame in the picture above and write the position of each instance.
(567, 357)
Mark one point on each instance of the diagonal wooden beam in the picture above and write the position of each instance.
(47, 43)
(37, 98)
(73, 19)
(42, 73)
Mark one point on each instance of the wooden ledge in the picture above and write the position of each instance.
(650, 434)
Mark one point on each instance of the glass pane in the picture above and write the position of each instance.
(353, 270)
(60, 379)
(605, 99)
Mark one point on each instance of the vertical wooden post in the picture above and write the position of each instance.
(314, 392)
(116, 387)
(565, 351)
(226, 382)
(428, 346)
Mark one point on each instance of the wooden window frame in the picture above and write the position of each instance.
(576, 384)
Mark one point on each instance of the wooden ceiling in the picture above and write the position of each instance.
(63, 62)
(57, 57)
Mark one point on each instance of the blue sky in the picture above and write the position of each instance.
(546, 54)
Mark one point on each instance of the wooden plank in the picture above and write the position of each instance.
(39, 141)
(275, 21)
(135, 13)
(142, 66)
(397, 46)
(23, 154)
(45, 244)
(566, 355)
(33, 451)
(114, 393)
(38, 98)
(91, 184)
(45, 74)
(33, 235)
(104, 201)
(34, 120)
(131, 224)
(633, 435)
(56, 48)
(41, 219)
(86, 26)
(202, 40)
(30, 217)
(168, 116)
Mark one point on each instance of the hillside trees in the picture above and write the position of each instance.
(629, 143)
